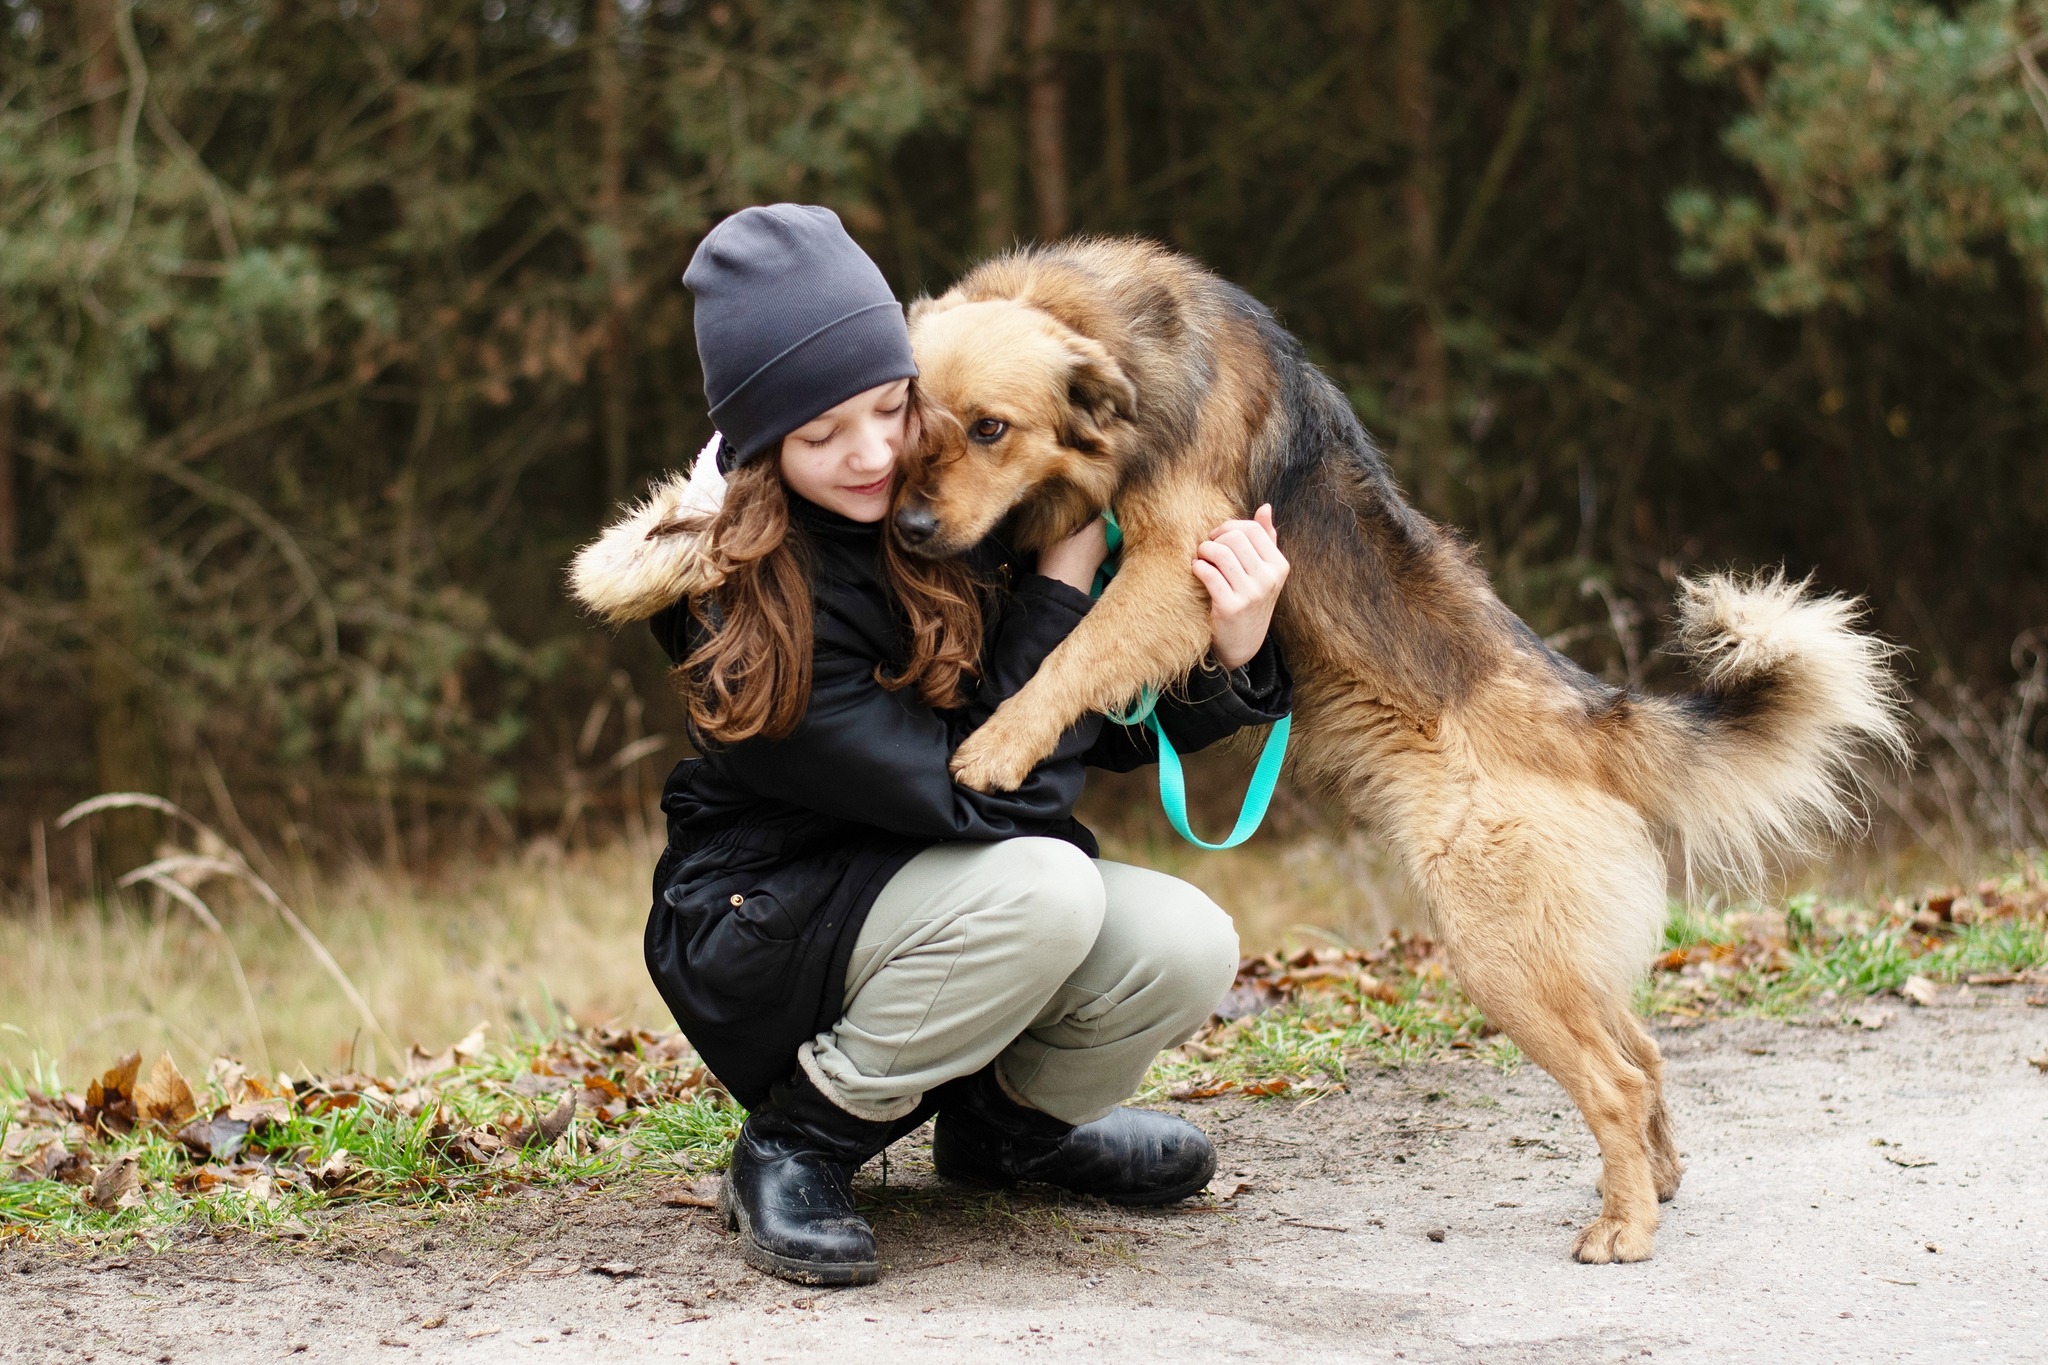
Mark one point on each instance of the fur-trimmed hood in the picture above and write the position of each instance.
(641, 564)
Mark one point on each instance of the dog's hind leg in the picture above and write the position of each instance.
(1665, 1166)
(1566, 1029)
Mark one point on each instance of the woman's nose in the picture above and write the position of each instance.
(875, 452)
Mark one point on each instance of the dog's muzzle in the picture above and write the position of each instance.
(916, 525)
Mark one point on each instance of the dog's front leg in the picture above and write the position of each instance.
(1149, 629)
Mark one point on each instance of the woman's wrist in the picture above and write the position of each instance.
(1234, 653)
(1075, 560)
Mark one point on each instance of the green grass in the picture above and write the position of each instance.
(650, 1112)
(394, 1157)
(1812, 953)
(1308, 1046)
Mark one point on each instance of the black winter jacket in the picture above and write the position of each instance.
(777, 848)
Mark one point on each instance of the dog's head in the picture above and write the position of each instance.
(1024, 416)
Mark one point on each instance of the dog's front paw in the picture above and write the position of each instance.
(1608, 1240)
(986, 764)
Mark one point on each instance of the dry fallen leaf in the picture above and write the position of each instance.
(473, 1146)
(165, 1098)
(1908, 1159)
(116, 1187)
(336, 1171)
(1202, 1090)
(215, 1139)
(687, 1194)
(110, 1100)
(258, 1113)
(1374, 988)
(51, 1159)
(420, 1064)
(616, 1270)
(225, 1075)
(1919, 990)
(2040, 1063)
(548, 1131)
(251, 1178)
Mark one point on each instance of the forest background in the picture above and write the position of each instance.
(329, 328)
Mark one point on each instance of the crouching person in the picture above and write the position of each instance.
(853, 942)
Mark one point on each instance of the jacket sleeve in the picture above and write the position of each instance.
(1208, 705)
(877, 757)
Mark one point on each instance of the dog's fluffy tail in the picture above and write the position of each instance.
(1764, 757)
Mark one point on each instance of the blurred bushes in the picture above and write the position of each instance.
(327, 329)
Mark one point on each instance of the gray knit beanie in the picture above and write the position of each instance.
(792, 319)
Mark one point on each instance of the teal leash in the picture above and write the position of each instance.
(1173, 795)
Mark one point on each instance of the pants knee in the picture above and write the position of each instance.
(1196, 962)
(1053, 906)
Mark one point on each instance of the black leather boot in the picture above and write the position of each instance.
(789, 1190)
(1132, 1156)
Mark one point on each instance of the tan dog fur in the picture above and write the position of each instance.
(1524, 798)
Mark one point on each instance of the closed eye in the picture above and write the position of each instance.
(988, 430)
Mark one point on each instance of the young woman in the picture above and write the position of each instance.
(851, 941)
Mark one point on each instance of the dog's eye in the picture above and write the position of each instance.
(988, 430)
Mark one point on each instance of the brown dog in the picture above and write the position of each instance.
(1523, 796)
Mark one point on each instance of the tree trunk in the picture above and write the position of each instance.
(9, 547)
(1415, 41)
(107, 523)
(1048, 118)
(2035, 311)
(615, 361)
(102, 74)
(1116, 121)
(992, 133)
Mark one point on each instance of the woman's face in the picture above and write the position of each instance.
(844, 459)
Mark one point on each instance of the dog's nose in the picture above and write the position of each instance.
(916, 524)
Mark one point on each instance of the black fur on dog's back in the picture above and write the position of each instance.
(1417, 590)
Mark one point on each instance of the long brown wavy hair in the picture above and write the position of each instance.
(751, 675)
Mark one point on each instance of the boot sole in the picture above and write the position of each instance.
(823, 1274)
(1146, 1200)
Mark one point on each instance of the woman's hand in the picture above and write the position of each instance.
(1073, 561)
(1242, 567)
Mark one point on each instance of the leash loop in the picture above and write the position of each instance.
(1173, 796)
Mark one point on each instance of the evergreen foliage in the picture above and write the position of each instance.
(329, 327)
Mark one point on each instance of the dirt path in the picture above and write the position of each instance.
(1796, 1237)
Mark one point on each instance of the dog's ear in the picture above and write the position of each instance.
(1100, 396)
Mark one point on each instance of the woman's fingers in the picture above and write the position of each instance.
(1235, 559)
(1240, 545)
(1222, 597)
(1258, 535)
(1241, 566)
(1265, 569)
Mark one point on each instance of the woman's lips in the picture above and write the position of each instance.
(865, 490)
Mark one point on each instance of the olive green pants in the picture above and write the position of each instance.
(1072, 973)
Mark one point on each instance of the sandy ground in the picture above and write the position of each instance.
(1852, 1195)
